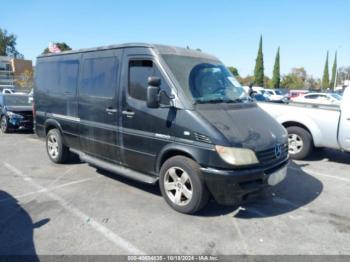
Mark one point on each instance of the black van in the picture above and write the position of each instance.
(162, 114)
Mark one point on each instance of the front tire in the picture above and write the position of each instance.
(300, 142)
(57, 151)
(182, 185)
(4, 125)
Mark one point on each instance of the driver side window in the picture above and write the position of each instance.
(139, 71)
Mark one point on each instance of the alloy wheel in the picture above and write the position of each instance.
(178, 186)
(52, 146)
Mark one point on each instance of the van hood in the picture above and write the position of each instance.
(18, 108)
(244, 125)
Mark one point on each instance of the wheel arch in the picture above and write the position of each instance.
(293, 123)
(174, 150)
(308, 125)
(51, 124)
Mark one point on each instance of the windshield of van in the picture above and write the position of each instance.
(205, 80)
(16, 100)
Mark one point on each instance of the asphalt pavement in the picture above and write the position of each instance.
(74, 208)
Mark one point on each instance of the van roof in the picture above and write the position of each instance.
(162, 49)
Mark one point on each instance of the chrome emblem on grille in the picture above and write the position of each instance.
(278, 150)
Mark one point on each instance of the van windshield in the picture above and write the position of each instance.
(205, 80)
(16, 100)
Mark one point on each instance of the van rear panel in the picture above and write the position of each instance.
(56, 94)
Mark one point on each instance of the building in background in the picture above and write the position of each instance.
(13, 71)
(6, 72)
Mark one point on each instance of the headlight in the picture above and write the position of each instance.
(237, 156)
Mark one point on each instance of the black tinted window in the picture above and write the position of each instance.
(99, 76)
(139, 71)
(311, 97)
(58, 76)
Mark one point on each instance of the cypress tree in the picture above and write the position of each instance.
(276, 77)
(259, 66)
(325, 78)
(334, 72)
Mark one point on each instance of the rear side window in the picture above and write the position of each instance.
(58, 76)
(311, 97)
(99, 77)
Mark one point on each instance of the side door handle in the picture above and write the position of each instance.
(110, 110)
(128, 113)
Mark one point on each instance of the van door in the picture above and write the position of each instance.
(145, 131)
(99, 82)
(344, 125)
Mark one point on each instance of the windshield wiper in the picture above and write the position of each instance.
(212, 101)
(199, 101)
(236, 100)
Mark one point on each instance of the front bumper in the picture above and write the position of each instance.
(18, 123)
(230, 187)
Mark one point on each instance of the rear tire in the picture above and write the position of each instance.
(4, 125)
(56, 150)
(300, 142)
(182, 185)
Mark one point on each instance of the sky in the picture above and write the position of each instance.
(229, 29)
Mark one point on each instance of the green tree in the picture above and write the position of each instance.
(334, 72)
(233, 70)
(343, 74)
(259, 66)
(8, 44)
(267, 82)
(276, 77)
(26, 80)
(245, 81)
(296, 79)
(312, 83)
(62, 46)
(325, 78)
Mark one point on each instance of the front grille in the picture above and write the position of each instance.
(202, 138)
(269, 155)
(27, 115)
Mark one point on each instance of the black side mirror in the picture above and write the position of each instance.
(154, 81)
(153, 91)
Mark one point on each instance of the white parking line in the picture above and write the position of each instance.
(110, 235)
(61, 176)
(50, 188)
(320, 174)
(239, 232)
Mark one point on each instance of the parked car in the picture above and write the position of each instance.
(15, 112)
(260, 98)
(276, 95)
(11, 91)
(8, 91)
(159, 113)
(312, 126)
(319, 98)
(295, 93)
